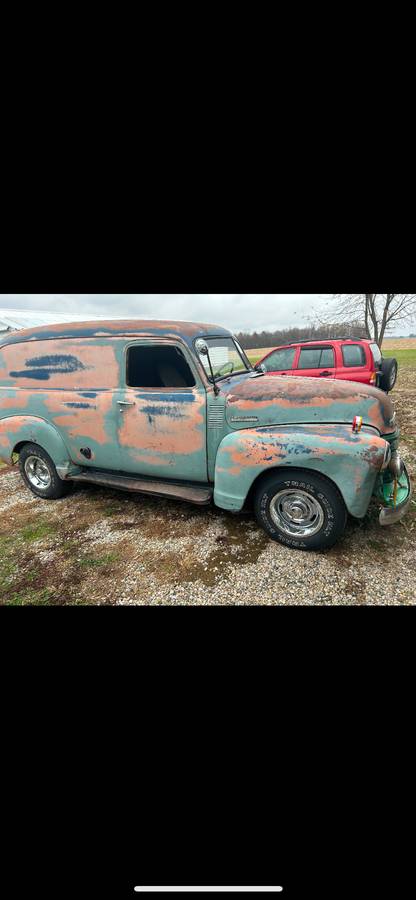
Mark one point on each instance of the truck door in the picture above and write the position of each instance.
(162, 413)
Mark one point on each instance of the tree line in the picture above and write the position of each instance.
(348, 315)
(321, 332)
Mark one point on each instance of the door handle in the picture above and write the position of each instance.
(125, 403)
(324, 374)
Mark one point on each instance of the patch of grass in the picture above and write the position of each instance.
(90, 562)
(112, 510)
(8, 566)
(404, 357)
(37, 531)
(30, 598)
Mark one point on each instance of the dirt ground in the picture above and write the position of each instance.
(107, 547)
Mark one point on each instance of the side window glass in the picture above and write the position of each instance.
(310, 358)
(158, 367)
(280, 360)
(375, 349)
(353, 355)
(327, 359)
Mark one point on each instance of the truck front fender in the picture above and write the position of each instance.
(30, 429)
(351, 461)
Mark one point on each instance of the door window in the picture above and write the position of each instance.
(280, 360)
(327, 358)
(353, 355)
(158, 367)
(316, 358)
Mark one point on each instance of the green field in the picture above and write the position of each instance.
(404, 357)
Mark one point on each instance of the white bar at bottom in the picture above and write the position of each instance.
(180, 889)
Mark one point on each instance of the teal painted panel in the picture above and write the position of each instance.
(33, 430)
(351, 461)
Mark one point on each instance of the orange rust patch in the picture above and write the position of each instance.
(99, 362)
(163, 433)
(19, 401)
(89, 421)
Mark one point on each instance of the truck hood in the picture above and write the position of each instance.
(288, 400)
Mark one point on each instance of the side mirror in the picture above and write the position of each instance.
(201, 347)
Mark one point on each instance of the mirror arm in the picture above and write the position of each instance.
(216, 388)
(203, 350)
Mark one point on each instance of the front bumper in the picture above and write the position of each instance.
(396, 494)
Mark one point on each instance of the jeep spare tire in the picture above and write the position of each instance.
(389, 370)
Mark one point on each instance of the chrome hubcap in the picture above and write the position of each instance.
(297, 513)
(37, 472)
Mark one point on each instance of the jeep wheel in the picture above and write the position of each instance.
(300, 509)
(389, 370)
(39, 473)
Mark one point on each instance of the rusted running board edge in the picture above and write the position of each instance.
(199, 495)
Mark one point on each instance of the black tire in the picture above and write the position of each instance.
(325, 507)
(389, 370)
(54, 487)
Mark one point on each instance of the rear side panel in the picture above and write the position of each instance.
(351, 461)
(72, 384)
(33, 430)
(362, 372)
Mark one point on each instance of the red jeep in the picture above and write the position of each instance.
(349, 358)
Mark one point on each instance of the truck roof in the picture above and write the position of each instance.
(188, 331)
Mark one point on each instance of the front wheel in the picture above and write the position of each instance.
(39, 473)
(300, 509)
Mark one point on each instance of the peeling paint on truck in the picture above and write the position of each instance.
(64, 388)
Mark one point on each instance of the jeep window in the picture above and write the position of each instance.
(158, 367)
(316, 358)
(280, 360)
(327, 358)
(227, 358)
(353, 355)
(375, 349)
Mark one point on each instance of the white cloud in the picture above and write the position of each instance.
(245, 312)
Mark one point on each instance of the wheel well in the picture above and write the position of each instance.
(292, 469)
(20, 446)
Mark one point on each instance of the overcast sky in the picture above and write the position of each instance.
(238, 312)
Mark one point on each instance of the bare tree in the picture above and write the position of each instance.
(377, 313)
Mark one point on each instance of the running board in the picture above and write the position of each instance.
(199, 495)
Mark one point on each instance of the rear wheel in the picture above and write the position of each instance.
(39, 473)
(389, 370)
(300, 509)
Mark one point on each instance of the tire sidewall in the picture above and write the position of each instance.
(332, 506)
(57, 486)
(388, 365)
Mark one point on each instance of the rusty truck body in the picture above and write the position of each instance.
(175, 408)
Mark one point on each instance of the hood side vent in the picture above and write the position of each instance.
(216, 416)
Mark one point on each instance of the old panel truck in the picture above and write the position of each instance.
(176, 409)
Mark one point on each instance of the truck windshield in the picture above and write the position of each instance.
(227, 357)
